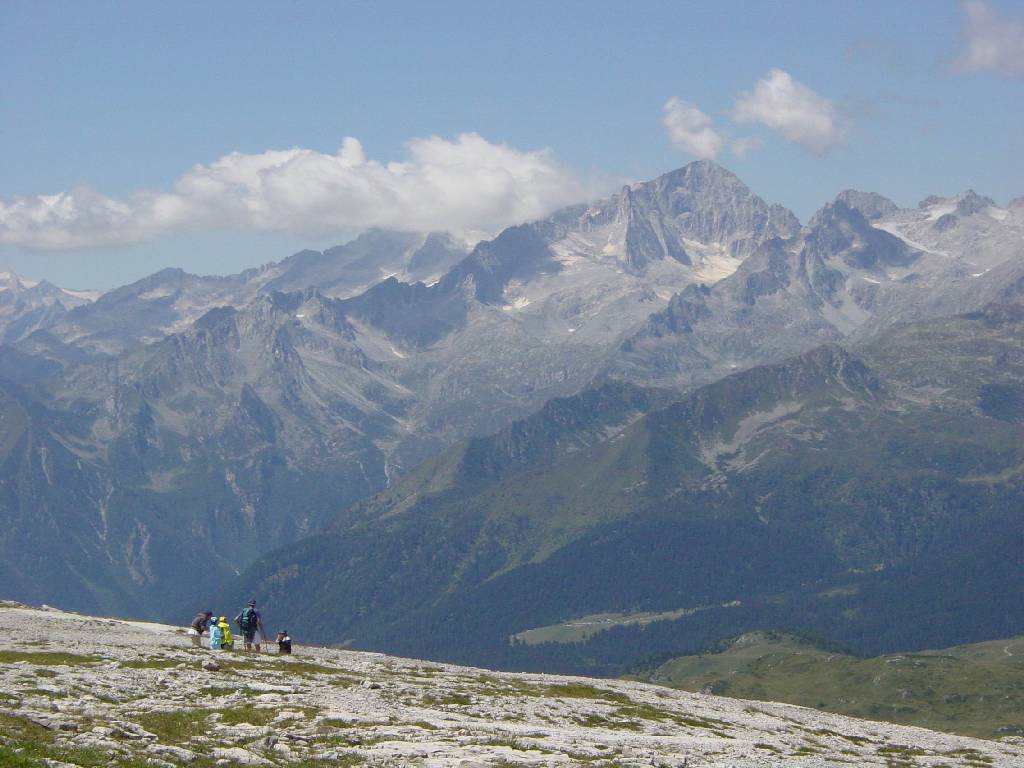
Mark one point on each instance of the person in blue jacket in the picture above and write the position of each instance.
(216, 636)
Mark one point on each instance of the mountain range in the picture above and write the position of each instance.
(680, 379)
(844, 493)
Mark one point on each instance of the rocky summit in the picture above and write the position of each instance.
(84, 691)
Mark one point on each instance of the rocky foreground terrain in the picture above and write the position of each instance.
(78, 690)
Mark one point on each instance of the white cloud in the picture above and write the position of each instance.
(791, 108)
(690, 130)
(464, 185)
(744, 145)
(992, 44)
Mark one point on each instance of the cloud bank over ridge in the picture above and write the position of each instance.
(465, 185)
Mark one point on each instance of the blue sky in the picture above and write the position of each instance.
(115, 104)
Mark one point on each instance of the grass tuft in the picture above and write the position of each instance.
(46, 658)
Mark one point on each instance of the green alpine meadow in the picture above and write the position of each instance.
(975, 690)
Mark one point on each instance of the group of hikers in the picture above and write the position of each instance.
(248, 621)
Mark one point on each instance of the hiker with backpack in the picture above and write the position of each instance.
(251, 624)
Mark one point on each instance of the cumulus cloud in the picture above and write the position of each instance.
(788, 106)
(464, 185)
(690, 130)
(992, 44)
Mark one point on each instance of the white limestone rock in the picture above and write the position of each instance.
(455, 717)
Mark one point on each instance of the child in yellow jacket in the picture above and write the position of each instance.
(228, 643)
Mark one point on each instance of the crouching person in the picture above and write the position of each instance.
(284, 643)
(199, 626)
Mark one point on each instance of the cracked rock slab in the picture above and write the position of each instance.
(154, 701)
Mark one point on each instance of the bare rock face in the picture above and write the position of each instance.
(871, 204)
(858, 268)
(159, 705)
(682, 214)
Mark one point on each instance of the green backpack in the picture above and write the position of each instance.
(248, 622)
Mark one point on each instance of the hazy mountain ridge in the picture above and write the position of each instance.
(27, 306)
(170, 300)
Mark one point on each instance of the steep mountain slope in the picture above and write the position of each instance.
(807, 491)
(158, 471)
(973, 689)
(51, 533)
